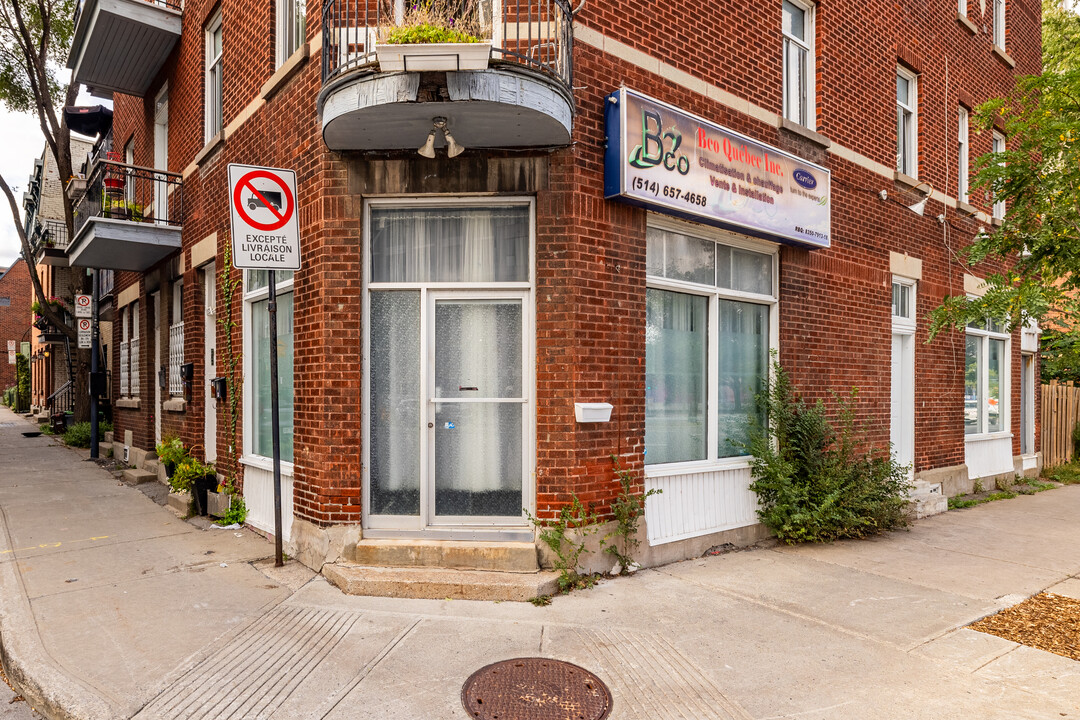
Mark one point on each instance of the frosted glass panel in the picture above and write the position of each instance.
(675, 376)
(262, 438)
(478, 349)
(751, 272)
(450, 244)
(478, 459)
(395, 403)
(744, 367)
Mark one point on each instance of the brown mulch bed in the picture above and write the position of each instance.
(1045, 621)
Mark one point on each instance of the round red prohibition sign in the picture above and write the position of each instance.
(82, 300)
(84, 324)
(281, 215)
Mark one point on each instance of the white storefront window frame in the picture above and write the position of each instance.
(372, 522)
(715, 295)
(248, 457)
(985, 335)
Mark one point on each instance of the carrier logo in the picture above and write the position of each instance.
(805, 179)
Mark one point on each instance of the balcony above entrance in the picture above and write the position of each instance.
(128, 219)
(511, 89)
(121, 45)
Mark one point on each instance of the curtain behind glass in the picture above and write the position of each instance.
(450, 244)
(744, 368)
(995, 366)
(676, 354)
(262, 439)
(973, 406)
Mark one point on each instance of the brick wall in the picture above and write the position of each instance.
(835, 322)
(15, 315)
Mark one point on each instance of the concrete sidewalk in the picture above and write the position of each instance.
(112, 607)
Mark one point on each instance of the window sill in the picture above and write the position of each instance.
(211, 145)
(267, 464)
(1000, 52)
(986, 437)
(128, 403)
(963, 20)
(697, 466)
(908, 181)
(804, 132)
(176, 405)
(282, 75)
(964, 208)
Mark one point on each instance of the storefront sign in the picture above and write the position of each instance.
(265, 226)
(667, 160)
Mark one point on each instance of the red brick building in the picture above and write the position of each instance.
(625, 204)
(16, 295)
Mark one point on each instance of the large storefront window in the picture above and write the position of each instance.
(707, 340)
(258, 414)
(986, 378)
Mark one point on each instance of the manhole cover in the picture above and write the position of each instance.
(535, 689)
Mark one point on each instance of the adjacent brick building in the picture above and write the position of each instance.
(651, 198)
(15, 297)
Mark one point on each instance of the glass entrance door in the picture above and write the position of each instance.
(476, 403)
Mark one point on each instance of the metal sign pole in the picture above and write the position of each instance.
(274, 418)
(94, 344)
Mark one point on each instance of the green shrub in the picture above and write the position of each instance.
(425, 34)
(237, 512)
(813, 479)
(78, 435)
(170, 452)
(187, 472)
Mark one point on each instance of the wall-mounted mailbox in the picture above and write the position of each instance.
(187, 372)
(218, 386)
(592, 412)
(98, 384)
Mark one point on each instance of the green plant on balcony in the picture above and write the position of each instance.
(436, 21)
(114, 209)
(135, 211)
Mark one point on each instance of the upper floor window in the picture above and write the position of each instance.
(999, 147)
(999, 23)
(907, 101)
(798, 27)
(213, 76)
(962, 157)
(961, 7)
(291, 25)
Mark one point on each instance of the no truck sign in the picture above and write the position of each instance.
(265, 228)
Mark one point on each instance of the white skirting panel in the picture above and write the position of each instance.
(699, 503)
(988, 456)
(259, 496)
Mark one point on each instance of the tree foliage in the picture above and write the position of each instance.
(1038, 177)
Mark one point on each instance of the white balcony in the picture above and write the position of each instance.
(121, 45)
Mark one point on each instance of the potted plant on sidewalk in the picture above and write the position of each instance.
(192, 475)
(435, 35)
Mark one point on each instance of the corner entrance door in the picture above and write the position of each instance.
(449, 410)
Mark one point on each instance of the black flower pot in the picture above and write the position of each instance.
(201, 486)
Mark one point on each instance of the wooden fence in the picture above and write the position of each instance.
(1060, 413)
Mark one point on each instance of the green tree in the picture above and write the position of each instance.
(35, 37)
(1038, 176)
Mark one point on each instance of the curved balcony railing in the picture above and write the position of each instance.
(536, 34)
(49, 234)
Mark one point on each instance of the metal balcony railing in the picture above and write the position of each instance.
(128, 192)
(537, 34)
(49, 234)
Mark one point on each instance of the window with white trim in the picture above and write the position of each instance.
(709, 328)
(961, 7)
(903, 303)
(962, 155)
(798, 29)
(907, 121)
(214, 38)
(176, 340)
(258, 430)
(986, 378)
(291, 26)
(999, 23)
(998, 147)
(125, 352)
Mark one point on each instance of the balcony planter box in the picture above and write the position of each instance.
(438, 57)
(76, 188)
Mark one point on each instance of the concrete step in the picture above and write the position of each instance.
(440, 583)
(180, 501)
(151, 466)
(517, 557)
(134, 476)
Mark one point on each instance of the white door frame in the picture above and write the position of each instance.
(416, 526)
(902, 379)
(209, 361)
